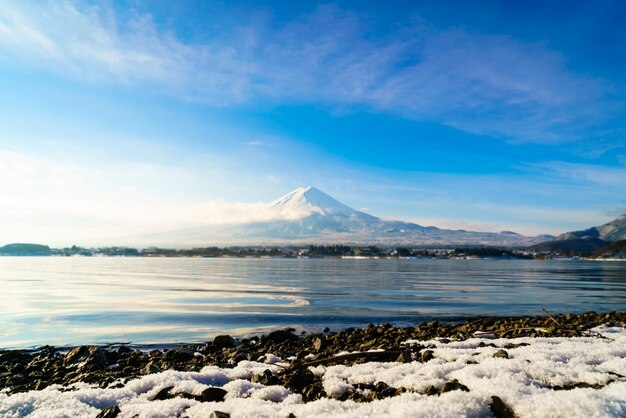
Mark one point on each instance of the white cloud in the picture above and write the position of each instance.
(486, 84)
(62, 201)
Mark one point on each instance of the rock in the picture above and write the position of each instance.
(281, 336)
(213, 394)
(163, 394)
(499, 409)
(123, 349)
(151, 368)
(266, 378)
(110, 412)
(219, 414)
(453, 385)
(404, 357)
(180, 355)
(40, 385)
(85, 355)
(299, 379)
(383, 390)
(427, 355)
(224, 341)
(513, 345)
(314, 392)
(501, 354)
(320, 344)
(16, 380)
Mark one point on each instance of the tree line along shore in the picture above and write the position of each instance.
(615, 250)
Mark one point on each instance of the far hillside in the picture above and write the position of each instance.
(614, 250)
(581, 247)
(587, 242)
(25, 249)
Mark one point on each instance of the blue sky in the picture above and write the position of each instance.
(124, 117)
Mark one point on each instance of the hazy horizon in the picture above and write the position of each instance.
(129, 117)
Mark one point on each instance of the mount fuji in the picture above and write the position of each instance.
(309, 216)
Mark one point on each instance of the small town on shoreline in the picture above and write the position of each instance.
(610, 252)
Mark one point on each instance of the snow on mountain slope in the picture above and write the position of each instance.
(306, 201)
(614, 230)
(307, 216)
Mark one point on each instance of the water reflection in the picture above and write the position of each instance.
(144, 300)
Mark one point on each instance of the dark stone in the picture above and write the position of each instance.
(453, 385)
(110, 412)
(499, 409)
(299, 379)
(400, 391)
(163, 394)
(16, 380)
(186, 395)
(281, 336)
(213, 394)
(344, 396)
(151, 368)
(501, 354)
(364, 386)
(180, 355)
(427, 355)
(219, 414)
(315, 391)
(516, 345)
(266, 378)
(224, 341)
(40, 385)
(383, 390)
(404, 357)
(320, 344)
(87, 355)
(380, 386)
(124, 349)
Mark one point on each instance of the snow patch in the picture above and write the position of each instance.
(525, 381)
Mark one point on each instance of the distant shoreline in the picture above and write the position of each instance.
(351, 251)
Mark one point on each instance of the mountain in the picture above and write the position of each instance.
(586, 242)
(309, 216)
(611, 231)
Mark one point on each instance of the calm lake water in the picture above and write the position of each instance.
(68, 301)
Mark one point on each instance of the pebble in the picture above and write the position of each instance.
(501, 354)
(499, 409)
(213, 394)
(110, 412)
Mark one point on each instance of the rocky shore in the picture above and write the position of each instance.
(294, 361)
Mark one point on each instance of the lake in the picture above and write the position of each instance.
(77, 300)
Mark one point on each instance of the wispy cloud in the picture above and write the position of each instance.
(608, 177)
(487, 84)
(260, 143)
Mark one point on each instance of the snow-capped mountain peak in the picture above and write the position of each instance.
(305, 201)
(307, 215)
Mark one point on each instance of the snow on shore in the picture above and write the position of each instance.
(526, 381)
